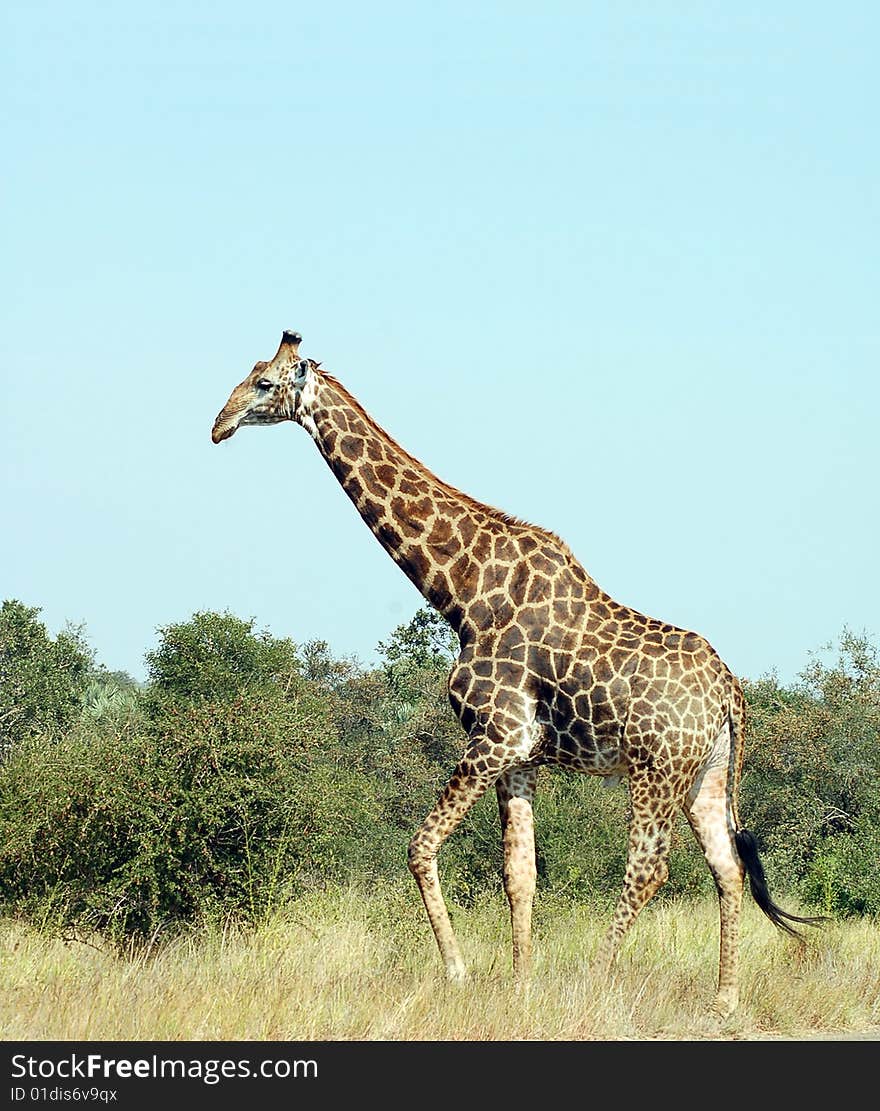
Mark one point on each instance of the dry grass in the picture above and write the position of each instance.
(339, 967)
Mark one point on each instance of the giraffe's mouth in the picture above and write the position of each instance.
(227, 424)
(259, 416)
(224, 427)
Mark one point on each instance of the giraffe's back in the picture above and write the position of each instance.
(636, 690)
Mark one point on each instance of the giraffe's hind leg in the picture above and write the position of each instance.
(647, 864)
(516, 790)
(708, 811)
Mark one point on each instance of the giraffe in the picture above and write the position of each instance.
(551, 671)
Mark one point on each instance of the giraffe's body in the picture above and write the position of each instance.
(551, 670)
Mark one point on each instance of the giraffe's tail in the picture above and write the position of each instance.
(746, 845)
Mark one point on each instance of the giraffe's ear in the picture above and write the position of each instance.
(302, 369)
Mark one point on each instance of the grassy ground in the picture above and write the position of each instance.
(336, 966)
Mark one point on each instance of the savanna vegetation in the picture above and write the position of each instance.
(252, 782)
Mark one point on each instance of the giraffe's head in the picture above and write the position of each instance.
(272, 392)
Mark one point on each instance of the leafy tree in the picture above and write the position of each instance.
(41, 679)
(228, 791)
(426, 641)
(327, 671)
(109, 695)
(417, 659)
(215, 660)
(216, 810)
(811, 781)
(217, 656)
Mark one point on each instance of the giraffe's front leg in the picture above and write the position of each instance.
(468, 783)
(516, 790)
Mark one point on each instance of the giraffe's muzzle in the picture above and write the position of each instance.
(224, 427)
(238, 410)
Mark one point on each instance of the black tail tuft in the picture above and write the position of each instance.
(747, 848)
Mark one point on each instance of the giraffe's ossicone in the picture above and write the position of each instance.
(551, 671)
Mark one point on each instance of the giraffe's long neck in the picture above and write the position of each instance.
(439, 537)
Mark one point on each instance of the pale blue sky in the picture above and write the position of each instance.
(611, 267)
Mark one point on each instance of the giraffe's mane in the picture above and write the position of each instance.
(471, 502)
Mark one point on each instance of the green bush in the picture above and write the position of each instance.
(811, 780)
(219, 797)
(218, 812)
(41, 679)
(216, 656)
(843, 878)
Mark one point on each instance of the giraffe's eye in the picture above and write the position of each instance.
(264, 384)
